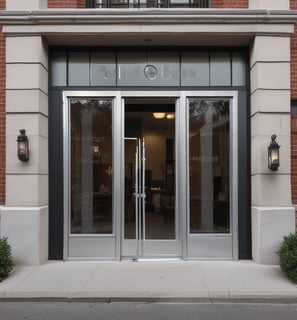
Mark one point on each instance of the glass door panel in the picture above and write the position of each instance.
(213, 177)
(88, 163)
(150, 214)
(209, 153)
(91, 166)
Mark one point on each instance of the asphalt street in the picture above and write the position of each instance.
(145, 311)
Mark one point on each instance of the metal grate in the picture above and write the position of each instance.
(138, 4)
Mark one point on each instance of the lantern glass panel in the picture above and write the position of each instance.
(274, 157)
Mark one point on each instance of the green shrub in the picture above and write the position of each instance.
(288, 257)
(6, 263)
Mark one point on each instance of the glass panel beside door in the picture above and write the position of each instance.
(91, 166)
(209, 155)
(89, 133)
(212, 167)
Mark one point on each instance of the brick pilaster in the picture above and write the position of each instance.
(230, 4)
(66, 3)
(2, 116)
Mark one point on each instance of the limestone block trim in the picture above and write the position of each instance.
(157, 28)
(255, 90)
(35, 124)
(270, 101)
(269, 4)
(17, 77)
(26, 190)
(274, 75)
(269, 226)
(26, 101)
(267, 62)
(29, 63)
(18, 5)
(27, 232)
(268, 123)
(271, 190)
(26, 49)
(270, 49)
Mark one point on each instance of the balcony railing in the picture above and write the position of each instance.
(139, 4)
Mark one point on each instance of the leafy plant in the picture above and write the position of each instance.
(288, 256)
(6, 263)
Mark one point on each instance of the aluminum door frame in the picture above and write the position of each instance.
(220, 245)
(168, 249)
(90, 246)
(113, 241)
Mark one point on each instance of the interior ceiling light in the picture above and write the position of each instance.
(170, 116)
(159, 115)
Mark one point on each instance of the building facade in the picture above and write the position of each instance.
(148, 125)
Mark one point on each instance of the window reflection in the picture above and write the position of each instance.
(91, 166)
(209, 165)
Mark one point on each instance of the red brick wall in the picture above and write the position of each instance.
(294, 157)
(2, 110)
(66, 3)
(294, 65)
(81, 3)
(230, 4)
(2, 117)
(294, 57)
(293, 4)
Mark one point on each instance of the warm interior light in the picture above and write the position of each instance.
(159, 115)
(170, 116)
(109, 170)
(96, 149)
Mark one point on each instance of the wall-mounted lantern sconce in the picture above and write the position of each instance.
(273, 154)
(23, 146)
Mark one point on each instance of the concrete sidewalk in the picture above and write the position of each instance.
(150, 281)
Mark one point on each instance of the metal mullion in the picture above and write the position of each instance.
(143, 190)
(136, 201)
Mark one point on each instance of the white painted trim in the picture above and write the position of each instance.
(176, 15)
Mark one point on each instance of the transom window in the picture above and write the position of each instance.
(195, 68)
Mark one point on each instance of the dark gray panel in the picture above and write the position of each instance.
(244, 174)
(78, 69)
(56, 227)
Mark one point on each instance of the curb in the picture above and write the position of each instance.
(239, 299)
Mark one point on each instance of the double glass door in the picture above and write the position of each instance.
(150, 175)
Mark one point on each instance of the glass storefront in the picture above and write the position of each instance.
(132, 160)
(149, 174)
